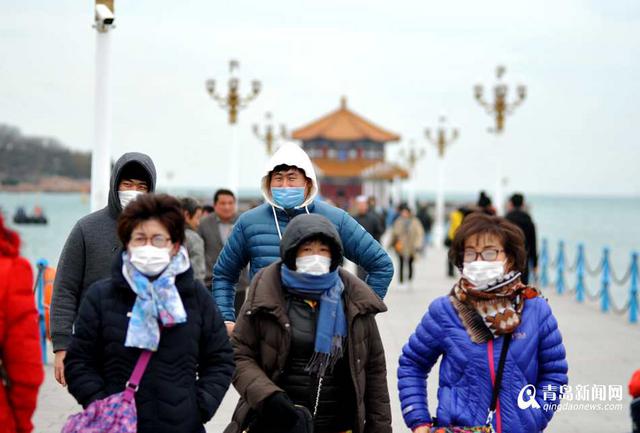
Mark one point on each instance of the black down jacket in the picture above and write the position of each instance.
(186, 378)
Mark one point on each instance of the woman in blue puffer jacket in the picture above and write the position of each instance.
(469, 327)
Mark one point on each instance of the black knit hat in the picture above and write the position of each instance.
(135, 170)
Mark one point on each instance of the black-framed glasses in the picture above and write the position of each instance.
(488, 255)
(158, 241)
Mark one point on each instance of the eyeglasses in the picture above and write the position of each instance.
(488, 255)
(158, 241)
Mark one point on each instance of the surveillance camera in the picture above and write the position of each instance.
(104, 16)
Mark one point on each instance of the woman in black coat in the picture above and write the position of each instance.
(153, 302)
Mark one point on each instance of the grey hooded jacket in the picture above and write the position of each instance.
(88, 253)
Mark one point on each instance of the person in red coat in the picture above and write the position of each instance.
(20, 354)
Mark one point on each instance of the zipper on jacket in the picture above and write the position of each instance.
(493, 384)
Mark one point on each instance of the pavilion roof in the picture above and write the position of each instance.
(344, 125)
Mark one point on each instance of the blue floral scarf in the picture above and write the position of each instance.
(157, 301)
(331, 329)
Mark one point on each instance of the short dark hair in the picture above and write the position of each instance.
(478, 223)
(190, 205)
(517, 200)
(222, 191)
(285, 167)
(161, 207)
(207, 208)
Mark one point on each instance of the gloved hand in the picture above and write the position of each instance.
(278, 413)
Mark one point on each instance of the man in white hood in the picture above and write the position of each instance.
(289, 187)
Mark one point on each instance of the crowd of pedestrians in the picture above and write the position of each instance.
(160, 304)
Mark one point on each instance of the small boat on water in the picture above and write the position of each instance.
(38, 217)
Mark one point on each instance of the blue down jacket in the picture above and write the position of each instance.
(255, 240)
(536, 356)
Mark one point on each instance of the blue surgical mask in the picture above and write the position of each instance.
(288, 198)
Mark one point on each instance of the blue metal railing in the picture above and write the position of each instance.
(604, 273)
(41, 265)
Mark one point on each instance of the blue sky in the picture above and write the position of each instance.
(400, 64)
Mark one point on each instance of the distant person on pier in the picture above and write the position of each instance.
(517, 214)
(370, 222)
(215, 229)
(378, 211)
(21, 370)
(192, 211)
(207, 210)
(91, 247)
(485, 205)
(289, 187)
(488, 316)
(455, 221)
(426, 220)
(407, 237)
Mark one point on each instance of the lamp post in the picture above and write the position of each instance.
(440, 140)
(232, 102)
(411, 157)
(101, 154)
(499, 108)
(269, 138)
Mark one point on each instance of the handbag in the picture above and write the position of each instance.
(487, 427)
(114, 414)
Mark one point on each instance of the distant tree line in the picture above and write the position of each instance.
(27, 159)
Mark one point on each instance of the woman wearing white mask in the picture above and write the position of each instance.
(503, 361)
(307, 348)
(152, 304)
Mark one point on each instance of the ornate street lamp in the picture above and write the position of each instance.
(269, 138)
(411, 156)
(232, 102)
(440, 140)
(499, 109)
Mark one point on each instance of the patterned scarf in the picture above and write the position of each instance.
(496, 310)
(331, 330)
(157, 301)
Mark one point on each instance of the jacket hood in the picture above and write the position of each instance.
(140, 159)
(304, 227)
(289, 154)
(9, 241)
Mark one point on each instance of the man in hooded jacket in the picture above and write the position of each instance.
(90, 248)
(289, 187)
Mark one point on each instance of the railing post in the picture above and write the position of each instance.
(42, 266)
(580, 274)
(605, 281)
(633, 293)
(544, 264)
(560, 268)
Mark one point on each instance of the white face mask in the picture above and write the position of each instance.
(150, 260)
(314, 265)
(128, 196)
(480, 273)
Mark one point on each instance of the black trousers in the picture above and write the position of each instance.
(409, 261)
